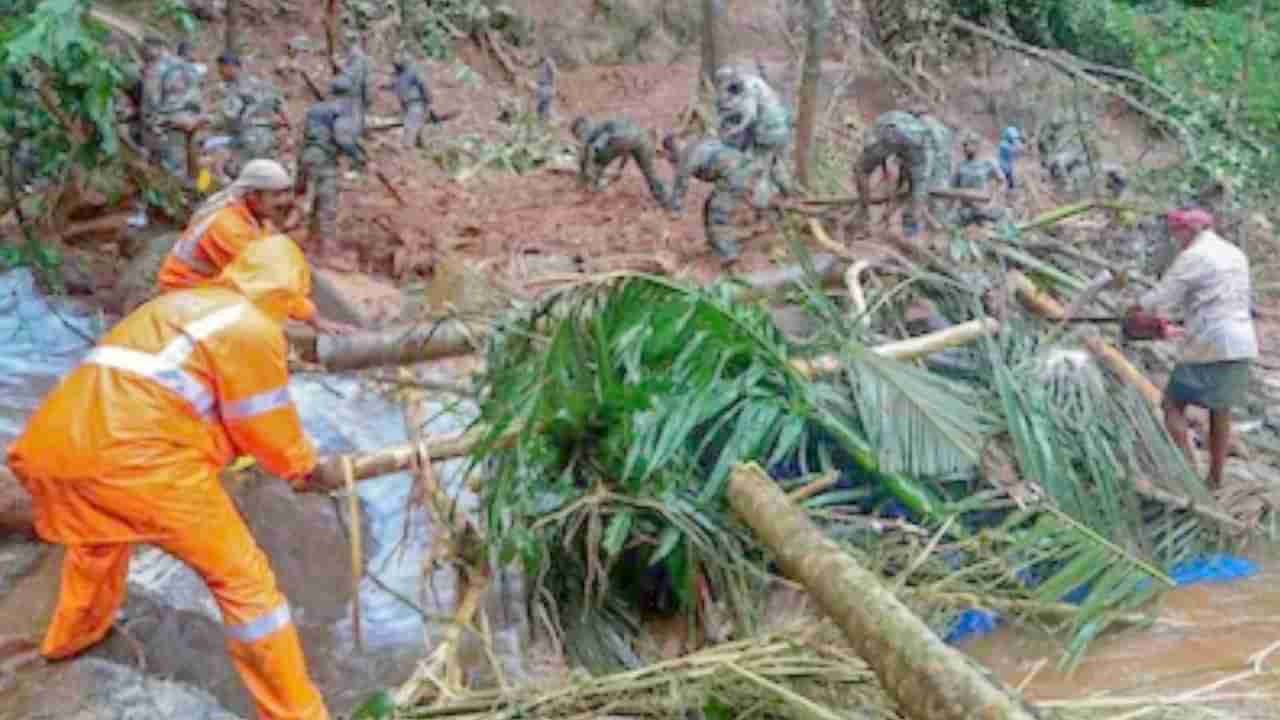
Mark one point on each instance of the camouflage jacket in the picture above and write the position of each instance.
(410, 89)
(940, 140)
(753, 114)
(710, 160)
(331, 128)
(170, 92)
(250, 102)
(356, 69)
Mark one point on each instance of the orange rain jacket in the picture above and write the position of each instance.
(172, 394)
(209, 246)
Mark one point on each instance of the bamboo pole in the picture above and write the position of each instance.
(928, 679)
(357, 551)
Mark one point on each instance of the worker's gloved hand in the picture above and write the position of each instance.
(326, 476)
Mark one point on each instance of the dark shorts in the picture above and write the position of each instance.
(1214, 386)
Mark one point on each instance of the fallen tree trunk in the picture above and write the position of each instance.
(409, 344)
(929, 679)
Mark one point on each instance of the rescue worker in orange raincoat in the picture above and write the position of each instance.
(127, 449)
(226, 224)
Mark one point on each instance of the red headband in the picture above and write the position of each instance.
(1191, 219)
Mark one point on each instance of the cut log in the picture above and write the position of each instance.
(908, 349)
(403, 345)
(929, 679)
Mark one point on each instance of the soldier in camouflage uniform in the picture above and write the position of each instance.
(545, 91)
(329, 131)
(356, 70)
(415, 100)
(251, 110)
(917, 143)
(603, 143)
(756, 121)
(976, 174)
(170, 106)
(730, 170)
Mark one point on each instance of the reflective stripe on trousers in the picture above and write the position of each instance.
(261, 626)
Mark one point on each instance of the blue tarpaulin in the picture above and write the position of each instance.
(1219, 568)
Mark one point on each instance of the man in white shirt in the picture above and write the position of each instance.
(1208, 283)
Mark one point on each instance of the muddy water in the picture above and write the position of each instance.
(173, 625)
(1209, 634)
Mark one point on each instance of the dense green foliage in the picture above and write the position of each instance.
(55, 45)
(635, 397)
(1216, 62)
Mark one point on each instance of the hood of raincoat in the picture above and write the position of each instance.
(274, 275)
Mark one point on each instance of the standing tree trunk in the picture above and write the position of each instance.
(929, 679)
(819, 22)
(712, 35)
(232, 40)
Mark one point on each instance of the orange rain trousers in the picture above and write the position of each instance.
(221, 550)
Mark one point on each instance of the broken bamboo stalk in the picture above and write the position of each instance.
(908, 349)
(357, 551)
(929, 679)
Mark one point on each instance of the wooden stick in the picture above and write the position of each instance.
(357, 551)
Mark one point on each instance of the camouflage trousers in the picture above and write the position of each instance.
(169, 148)
(415, 117)
(251, 144)
(322, 230)
(717, 221)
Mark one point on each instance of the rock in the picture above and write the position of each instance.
(95, 689)
(18, 558)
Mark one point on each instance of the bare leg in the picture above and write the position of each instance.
(1175, 420)
(1219, 442)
